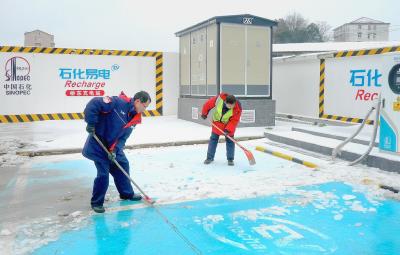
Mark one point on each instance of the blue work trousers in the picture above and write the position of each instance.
(212, 147)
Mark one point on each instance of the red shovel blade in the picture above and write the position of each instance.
(250, 157)
(149, 200)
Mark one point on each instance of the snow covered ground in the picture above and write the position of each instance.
(44, 196)
(47, 135)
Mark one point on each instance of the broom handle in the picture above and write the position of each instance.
(151, 202)
(147, 198)
(233, 140)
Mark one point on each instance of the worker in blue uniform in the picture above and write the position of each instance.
(112, 119)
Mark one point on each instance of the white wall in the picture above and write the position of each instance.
(295, 86)
(171, 83)
(349, 32)
(39, 39)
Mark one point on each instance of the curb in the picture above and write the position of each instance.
(129, 147)
(287, 157)
(337, 137)
(371, 160)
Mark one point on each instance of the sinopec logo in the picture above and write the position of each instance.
(17, 69)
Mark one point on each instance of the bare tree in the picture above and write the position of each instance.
(294, 28)
(324, 30)
(295, 22)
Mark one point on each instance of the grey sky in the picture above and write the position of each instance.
(150, 25)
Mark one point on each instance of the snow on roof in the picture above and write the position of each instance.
(330, 46)
(367, 20)
(235, 19)
(362, 20)
(37, 31)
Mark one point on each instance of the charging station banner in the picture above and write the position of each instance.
(352, 85)
(42, 83)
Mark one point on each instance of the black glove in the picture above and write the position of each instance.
(204, 116)
(226, 132)
(90, 129)
(112, 156)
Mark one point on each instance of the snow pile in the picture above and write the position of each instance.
(8, 148)
(29, 236)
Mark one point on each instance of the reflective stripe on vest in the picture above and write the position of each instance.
(218, 112)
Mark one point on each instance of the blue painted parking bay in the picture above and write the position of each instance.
(337, 220)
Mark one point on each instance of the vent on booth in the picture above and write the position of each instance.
(248, 116)
(195, 113)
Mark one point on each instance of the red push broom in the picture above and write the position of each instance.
(248, 153)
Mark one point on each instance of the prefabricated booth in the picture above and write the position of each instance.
(229, 54)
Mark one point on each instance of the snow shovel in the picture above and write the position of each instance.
(146, 198)
(151, 202)
(248, 153)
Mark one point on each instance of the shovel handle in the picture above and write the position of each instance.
(146, 198)
(230, 138)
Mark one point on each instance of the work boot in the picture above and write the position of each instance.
(98, 208)
(208, 161)
(135, 197)
(230, 163)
